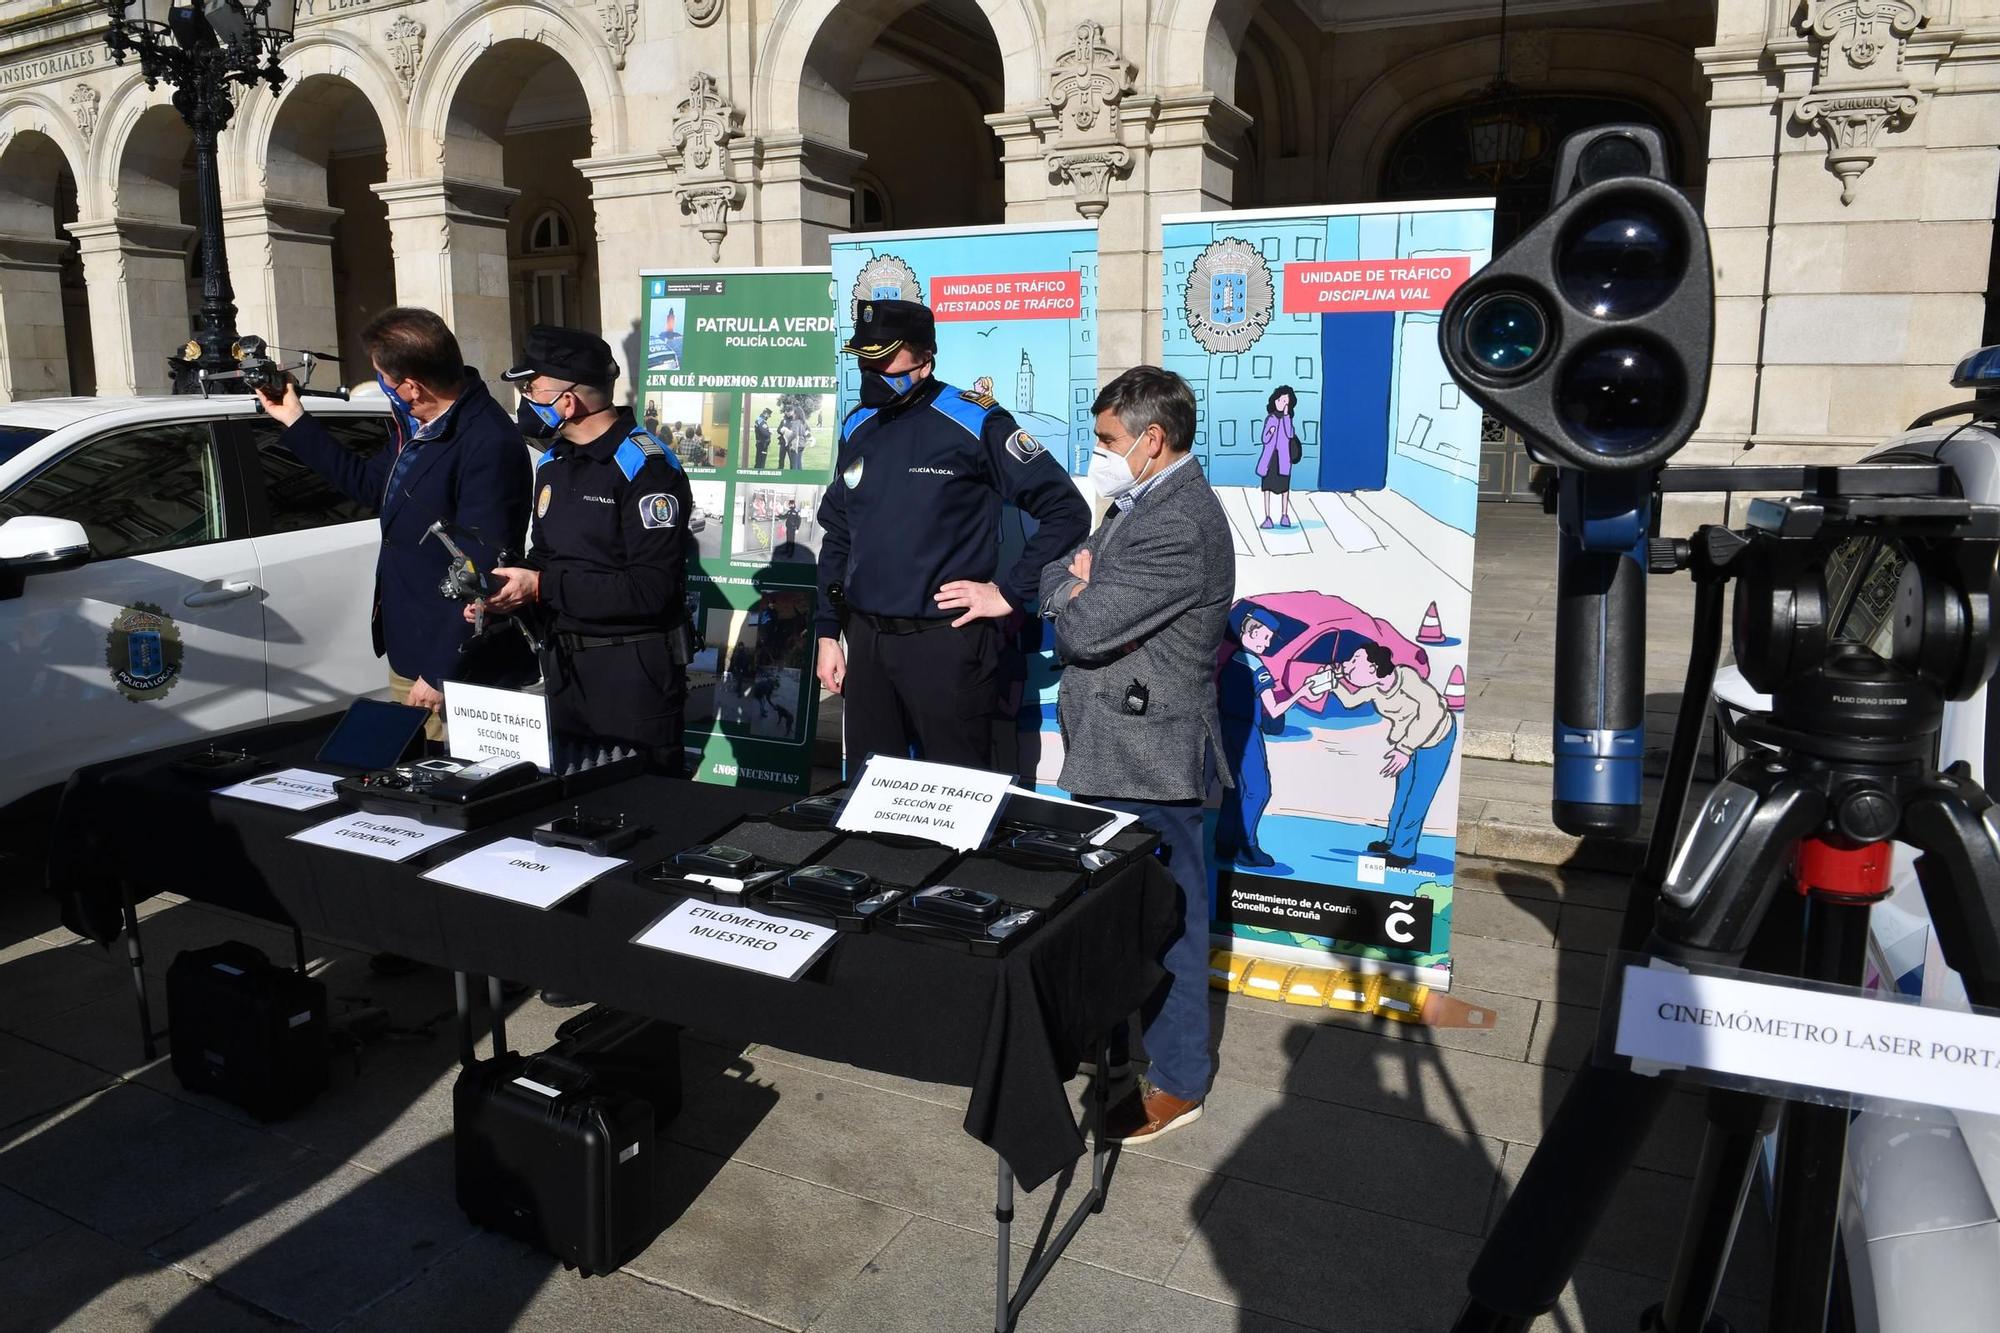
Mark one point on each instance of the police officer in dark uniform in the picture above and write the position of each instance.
(910, 547)
(606, 575)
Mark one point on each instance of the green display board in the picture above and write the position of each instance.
(738, 379)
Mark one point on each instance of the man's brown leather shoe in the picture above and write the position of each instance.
(1146, 1113)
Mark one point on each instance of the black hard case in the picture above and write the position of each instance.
(245, 1030)
(571, 1173)
(637, 1056)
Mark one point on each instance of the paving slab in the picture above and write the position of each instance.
(935, 1277)
(917, 1157)
(77, 1279)
(46, 982)
(135, 1165)
(1463, 1091)
(23, 1222)
(105, 1033)
(1322, 1264)
(759, 1242)
(1373, 1162)
(1507, 1038)
(491, 1282)
(35, 1080)
(319, 1242)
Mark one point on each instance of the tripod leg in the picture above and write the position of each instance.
(1721, 885)
(1737, 1125)
(1812, 1145)
(1952, 823)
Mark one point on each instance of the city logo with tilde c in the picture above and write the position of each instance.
(143, 651)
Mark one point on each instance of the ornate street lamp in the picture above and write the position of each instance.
(201, 48)
(1501, 139)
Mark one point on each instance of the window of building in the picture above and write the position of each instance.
(139, 491)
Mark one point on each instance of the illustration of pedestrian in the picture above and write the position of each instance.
(1281, 450)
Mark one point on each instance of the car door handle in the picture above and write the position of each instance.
(227, 592)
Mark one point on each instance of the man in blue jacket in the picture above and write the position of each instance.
(457, 455)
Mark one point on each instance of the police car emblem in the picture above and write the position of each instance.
(143, 651)
(1024, 447)
(658, 510)
(851, 476)
(542, 501)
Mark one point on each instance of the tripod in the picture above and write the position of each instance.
(1779, 870)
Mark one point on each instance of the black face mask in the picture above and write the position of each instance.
(879, 390)
(529, 417)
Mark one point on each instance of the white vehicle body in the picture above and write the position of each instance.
(225, 586)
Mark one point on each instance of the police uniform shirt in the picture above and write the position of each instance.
(915, 504)
(610, 532)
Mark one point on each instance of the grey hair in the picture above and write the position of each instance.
(1149, 396)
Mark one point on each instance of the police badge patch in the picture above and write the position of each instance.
(1024, 447)
(542, 501)
(658, 510)
(887, 278)
(851, 475)
(1228, 300)
(143, 651)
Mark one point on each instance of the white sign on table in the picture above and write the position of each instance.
(1816, 1039)
(522, 871)
(940, 802)
(384, 837)
(738, 937)
(484, 723)
(288, 789)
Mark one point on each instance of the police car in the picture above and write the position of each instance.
(168, 570)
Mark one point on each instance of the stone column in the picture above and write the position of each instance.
(1856, 150)
(803, 195)
(34, 359)
(136, 272)
(281, 264)
(449, 238)
(639, 225)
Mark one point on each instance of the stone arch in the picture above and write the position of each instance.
(458, 49)
(1632, 66)
(125, 107)
(325, 54)
(44, 331)
(814, 46)
(32, 113)
(1195, 44)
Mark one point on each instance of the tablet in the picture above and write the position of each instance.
(374, 734)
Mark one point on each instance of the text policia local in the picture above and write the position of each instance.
(1791, 1029)
(767, 942)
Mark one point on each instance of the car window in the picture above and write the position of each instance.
(149, 489)
(299, 497)
(13, 439)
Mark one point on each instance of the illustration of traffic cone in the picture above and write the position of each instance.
(1454, 690)
(1432, 630)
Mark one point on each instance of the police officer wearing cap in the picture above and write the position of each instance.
(607, 571)
(910, 547)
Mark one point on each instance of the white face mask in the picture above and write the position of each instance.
(1111, 473)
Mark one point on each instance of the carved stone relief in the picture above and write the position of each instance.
(83, 100)
(1859, 89)
(704, 123)
(1087, 81)
(406, 50)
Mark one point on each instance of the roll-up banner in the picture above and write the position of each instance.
(1347, 461)
(1016, 311)
(739, 382)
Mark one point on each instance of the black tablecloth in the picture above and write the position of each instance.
(1013, 1029)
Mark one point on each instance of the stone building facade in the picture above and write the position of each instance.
(505, 161)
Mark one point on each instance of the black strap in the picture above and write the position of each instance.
(904, 624)
(578, 642)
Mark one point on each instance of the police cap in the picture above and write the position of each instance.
(565, 354)
(880, 327)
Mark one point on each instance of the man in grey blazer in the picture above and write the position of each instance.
(1139, 612)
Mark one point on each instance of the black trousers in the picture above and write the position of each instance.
(630, 694)
(935, 690)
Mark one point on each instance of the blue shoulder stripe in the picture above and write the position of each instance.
(971, 417)
(856, 419)
(547, 454)
(629, 459)
(636, 448)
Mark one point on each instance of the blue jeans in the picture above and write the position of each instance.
(1175, 1019)
(1416, 785)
